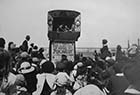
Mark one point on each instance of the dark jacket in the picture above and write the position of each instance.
(117, 85)
(105, 52)
(25, 45)
(31, 81)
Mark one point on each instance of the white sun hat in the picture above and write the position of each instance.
(26, 67)
(80, 64)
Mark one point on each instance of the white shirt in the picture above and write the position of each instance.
(62, 78)
(89, 90)
(73, 74)
(50, 78)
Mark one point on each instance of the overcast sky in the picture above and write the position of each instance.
(115, 20)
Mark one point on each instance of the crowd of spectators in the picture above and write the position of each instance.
(25, 71)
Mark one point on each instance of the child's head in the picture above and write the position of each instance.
(47, 67)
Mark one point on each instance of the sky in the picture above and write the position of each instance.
(115, 20)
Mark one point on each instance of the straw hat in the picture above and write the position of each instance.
(24, 55)
(80, 64)
(35, 59)
(26, 67)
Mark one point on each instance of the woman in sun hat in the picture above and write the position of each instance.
(26, 67)
(22, 57)
(29, 73)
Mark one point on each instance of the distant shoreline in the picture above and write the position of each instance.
(91, 47)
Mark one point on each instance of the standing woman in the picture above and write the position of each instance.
(25, 43)
(119, 54)
(12, 52)
(105, 50)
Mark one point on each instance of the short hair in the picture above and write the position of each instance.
(2, 42)
(28, 37)
(47, 67)
(104, 41)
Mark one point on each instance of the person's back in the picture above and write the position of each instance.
(118, 82)
(105, 53)
(131, 72)
(45, 80)
(120, 56)
(29, 73)
(45, 84)
(31, 81)
(46, 89)
(62, 78)
(89, 90)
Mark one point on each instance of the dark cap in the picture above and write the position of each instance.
(104, 41)
(27, 37)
